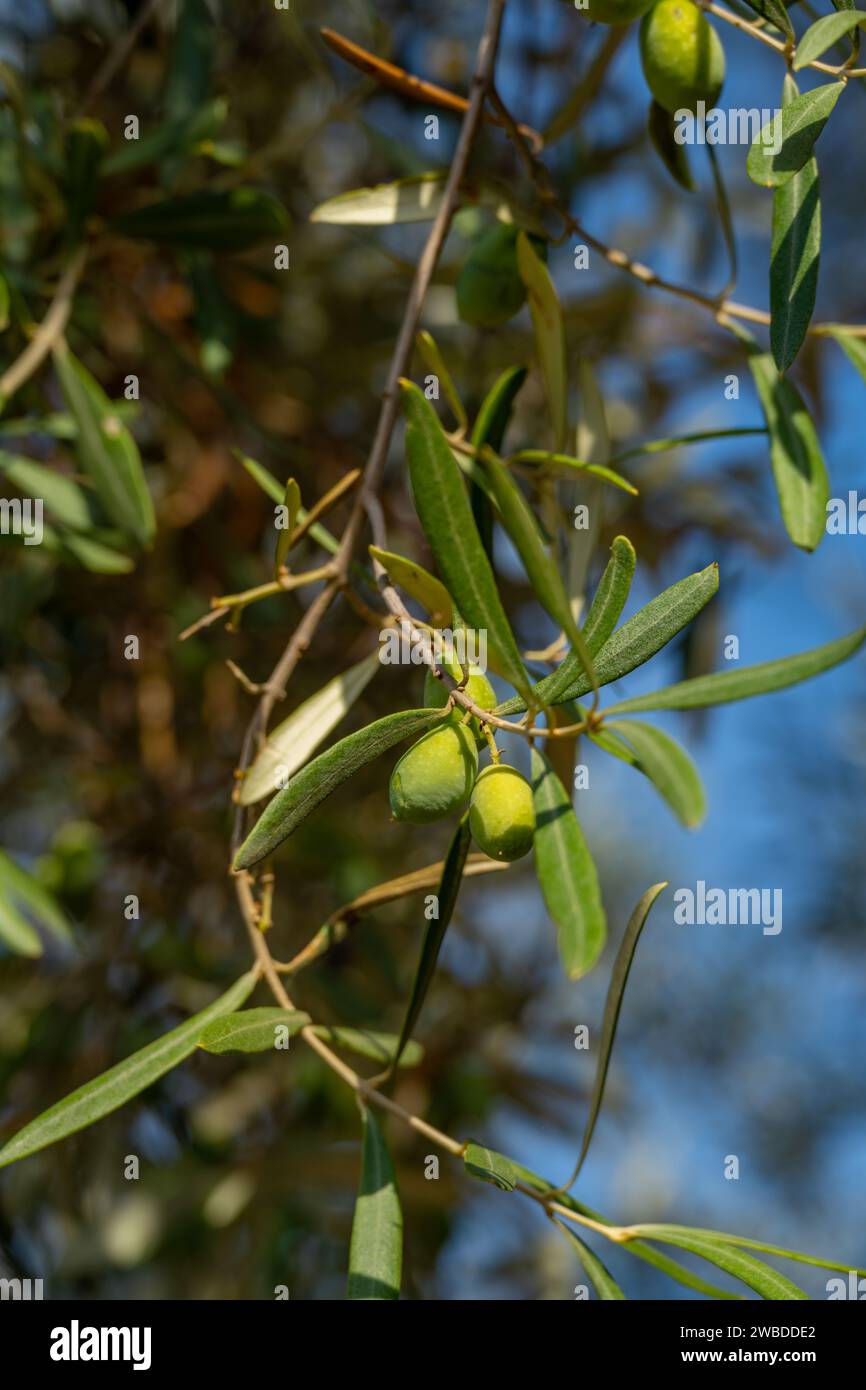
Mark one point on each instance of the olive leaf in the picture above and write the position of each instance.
(22, 893)
(309, 787)
(227, 220)
(549, 327)
(795, 253)
(292, 502)
(16, 933)
(798, 465)
(660, 128)
(490, 1166)
(554, 462)
(379, 1047)
(413, 199)
(611, 595)
(274, 489)
(376, 1250)
(490, 426)
(630, 645)
(792, 133)
(775, 12)
(118, 1085)
(667, 765)
(430, 352)
(251, 1030)
(744, 1241)
(445, 514)
(92, 552)
(854, 349)
(767, 676)
(766, 1281)
(662, 446)
(824, 33)
(105, 448)
(288, 746)
(599, 1276)
(418, 583)
(566, 872)
(64, 499)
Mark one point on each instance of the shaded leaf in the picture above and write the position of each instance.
(775, 12)
(118, 1085)
(433, 359)
(309, 787)
(854, 349)
(630, 645)
(553, 462)
(566, 872)
(444, 511)
(252, 1030)
(292, 503)
(489, 428)
(724, 686)
(105, 449)
(95, 555)
(547, 320)
(824, 33)
(274, 489)
(289, 745)
(793, 133)
(599, 1276)
(63, 498)
(21, 890)
(380, 1047)
(612, 1007)
(661, 446)
(17, 934)
(418, 584)
(668, 766)
(794, 255)
(376, 1250)
(660, 127)
(172, 139)
(230, 220)
(795, 453)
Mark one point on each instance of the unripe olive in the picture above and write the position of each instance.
(616, 11)
(434, 777)
(501, 814)
(489, 288)
(477, 687)
(682, 56)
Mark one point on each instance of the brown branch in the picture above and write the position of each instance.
(49, 331)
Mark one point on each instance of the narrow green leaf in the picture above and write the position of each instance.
(611, 595)
(660, 128)
(17, 933)
(413, 199)
(418, 583)
(768, 1282)
(612, 1007)
(793, 134)
(795, 453)
(445, 515)
(722, 687)
(794, 255)
(854, 349)
(86, 143)
(566, 872)
(63, 498)
(553, 462)
(661, 446)
(668, 766)
(547, 320)
(106, 449)
(490, 1166)
(775, 12)
(727, 1239)
(290, 744)
(309, 787)
(726, 221)
(380, 1047)
(631, 645)
(292, 502)
(376, 1251)
(252, 1030)
(274, 489)
(193, 53)
(489, 428)
(171, 140)
(226, 220)
(434, 935)
(433, 359)
(27, 893)
(824, 33)
(91, 552)
(599, 1276)
(118, 1085)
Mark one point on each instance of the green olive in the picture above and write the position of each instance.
(682, 56)
(501, 814)
(434, 777)
(477, 687)
(489, 288)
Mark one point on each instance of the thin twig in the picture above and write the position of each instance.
(49, 331)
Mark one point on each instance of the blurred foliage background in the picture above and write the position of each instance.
(115, 775)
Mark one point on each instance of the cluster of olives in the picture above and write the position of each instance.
(439, 774)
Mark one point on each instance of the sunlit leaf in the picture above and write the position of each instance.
(794, 255)
(667, 765)
(599, 1276)
(824, 33)
(567, 463)
(793, 133)
(418, 584)
(566, 872)
(118, 1085)
(376, 1250)
(309, 787)
(490, 1166)
(768, 1282)
(724, 686)
(776, 13)
(854, 349)
(252, 1030)
(611, 595)
(21, 889)
(290, 744)
(433, 359)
